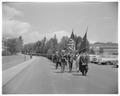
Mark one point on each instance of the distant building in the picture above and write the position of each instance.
(108, 48)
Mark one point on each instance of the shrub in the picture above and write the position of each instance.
(5, 53)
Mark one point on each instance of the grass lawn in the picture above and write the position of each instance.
(10, 61)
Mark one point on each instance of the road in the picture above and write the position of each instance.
(40, 77)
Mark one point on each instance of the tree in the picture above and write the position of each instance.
(51, 45)
(37, 47)
(43, 42)
(55, 44)
(11, 46)
(47, 46)
(28, 47)
(63, 44)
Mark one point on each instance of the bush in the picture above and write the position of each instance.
(6, 53)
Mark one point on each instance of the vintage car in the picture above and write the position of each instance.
(104, 60)
(108, 60)
(95, 58)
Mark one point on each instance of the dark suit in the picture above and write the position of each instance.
(83, 64)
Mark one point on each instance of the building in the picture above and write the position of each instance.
(108, 48)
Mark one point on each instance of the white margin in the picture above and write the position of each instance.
(58, 1)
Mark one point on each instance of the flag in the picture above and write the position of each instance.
(72, 35)
(85, 43)
(71, 43)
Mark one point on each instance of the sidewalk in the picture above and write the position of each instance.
(11, 61)
(8, 74)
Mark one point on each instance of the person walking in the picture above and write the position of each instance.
(30, 55)
(83, 63)
(24, 57)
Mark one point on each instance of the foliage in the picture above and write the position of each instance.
(50, 46)
(63, 43)
(11, 46)
(28, 47)
(5, 53)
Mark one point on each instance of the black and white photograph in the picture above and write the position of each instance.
(59, 48)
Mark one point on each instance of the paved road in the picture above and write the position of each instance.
(40, 77)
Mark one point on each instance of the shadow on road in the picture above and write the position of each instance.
(53, 68)
(58, 72)
(77, 74)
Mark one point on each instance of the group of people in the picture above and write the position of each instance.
(63, 59)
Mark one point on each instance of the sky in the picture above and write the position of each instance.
(33, 21)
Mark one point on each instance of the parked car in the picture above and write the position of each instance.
(95, 58)
(104, 60)
(108, 60)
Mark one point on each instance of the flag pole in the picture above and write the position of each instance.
(86, 36)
